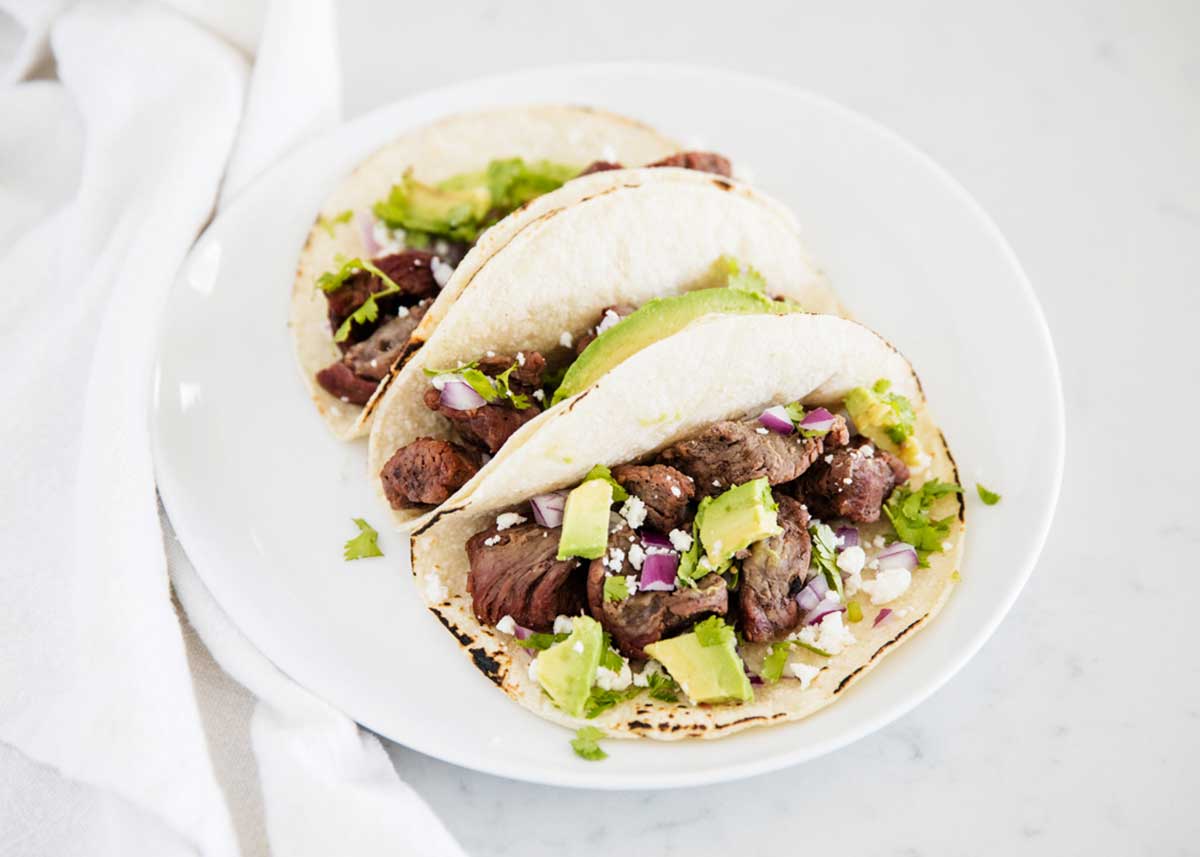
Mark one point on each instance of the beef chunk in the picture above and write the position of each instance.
(426, 472)
(487, 426)
(339, 380)
(599, 167)
(773, 572)
(374, 356)
(663, 489)
(585, 339)
(646, 617)
(410, 270)
(515, 572)
(851, 482)
(705, 162)
(526, 378)
(731, 453)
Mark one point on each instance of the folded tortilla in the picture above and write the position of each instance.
(619, 237)
(718, 368)
(458, 144)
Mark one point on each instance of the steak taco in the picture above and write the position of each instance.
(728, 529)
(380, 262)
(609, 264)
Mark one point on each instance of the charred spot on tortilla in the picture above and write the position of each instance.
(488, 665)
(723, 184)
(639, 724)
(463, 638)
(878, 652)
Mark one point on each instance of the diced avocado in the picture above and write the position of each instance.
(456, 213)
(887, 419)
(737, 519)
(567, 670)
(654, 320)
(585, 521)
(712, 673)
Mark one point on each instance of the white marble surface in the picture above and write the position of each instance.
(1077, 125)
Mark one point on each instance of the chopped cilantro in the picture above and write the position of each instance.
(600, 700)
(610, 658)
(775, 661)
(663, 687)
(585, 744)
(328, 223)
(795, 412)
(616, 588)
(602, 472)
(433, 373)
(491, 389)
(713, 631)
(541, 642)
(811, 648)
(519, 401)
(824, 555)
(908, 511)
(854, 611)
(368, 311)
(989, 498)
(365, 544)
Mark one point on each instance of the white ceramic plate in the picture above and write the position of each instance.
(262, 495)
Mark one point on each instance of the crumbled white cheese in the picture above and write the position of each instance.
(509, 519)
(563, 624)
(490, 353)
(633, 510)
(435, 590)
(642, 679)
(680, 540)
(441, 247)
(805, 672)
(716, 483)
(831, 635)
(867, 451)
(606, 679)
(540, 395)
(761, 430)
(851, 560)
(829, 459)
(507, 625)
(577, 647)
(345, 399)
(520, 358)
(631, 583)
(637, 556)
(566, 340)
(888, 585)
(878, 541)
(675, 492)
(441, 272)
(615, 559)
(848, 481)
(609, 319)
(491, 541)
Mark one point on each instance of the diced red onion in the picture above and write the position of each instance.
(883, 614)
(777, 420)
(658, 572)
(461, 396)
(652, 539)
(807, 599)
(847, 537)
(822, 610)
(818, 419)
(521, 632)
(819, 585)
(366, 224)
(548, 508)
(898, 555)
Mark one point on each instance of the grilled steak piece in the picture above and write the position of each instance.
(410, 271)
(585, 339)
(339, 380)
(646, 617)
(705, 162)
(526, 378)
(426, 472)
(487, 426)
(852, 482)
(663, 489)
(731, 453)
(773, 573)
(599, 167)
(515, 572)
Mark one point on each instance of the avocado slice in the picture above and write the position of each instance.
(737, 519)
(655, 320)
(456, 212)
(567, 670)
(585, 521)
(712, 673)
(887, 419)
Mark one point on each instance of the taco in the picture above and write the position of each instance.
(729, 529)
(382, 256)
(611, 263)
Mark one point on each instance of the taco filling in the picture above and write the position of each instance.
(414, 239)
(745, 553)
(487, 400)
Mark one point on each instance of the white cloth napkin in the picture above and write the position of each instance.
(106, 177)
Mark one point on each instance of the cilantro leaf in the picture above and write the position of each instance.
(989, 498)
(602, 472)
(541, 642)
(585, 744)
(713, 631)
(610, 658)
(519, 401)
(364, 545)
(908, 511)
(811, 648)
(824, 555)
(433, 373)
(795, 412)
(774, 662)
(616, 588)
(329, 223)
(368, 311)
(663, 687)
(600, 700)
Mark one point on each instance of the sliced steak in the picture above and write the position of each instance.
(487, 426)
(426, 472)
(731, 453)
(663, 489)
(705, 162)
(410, 270)
(773, 573)
(374, 356)
(526, 378)
(340, 381)
(646, 617)
(585, 339)
(851, 482)
(515, 572)
(600, 167)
